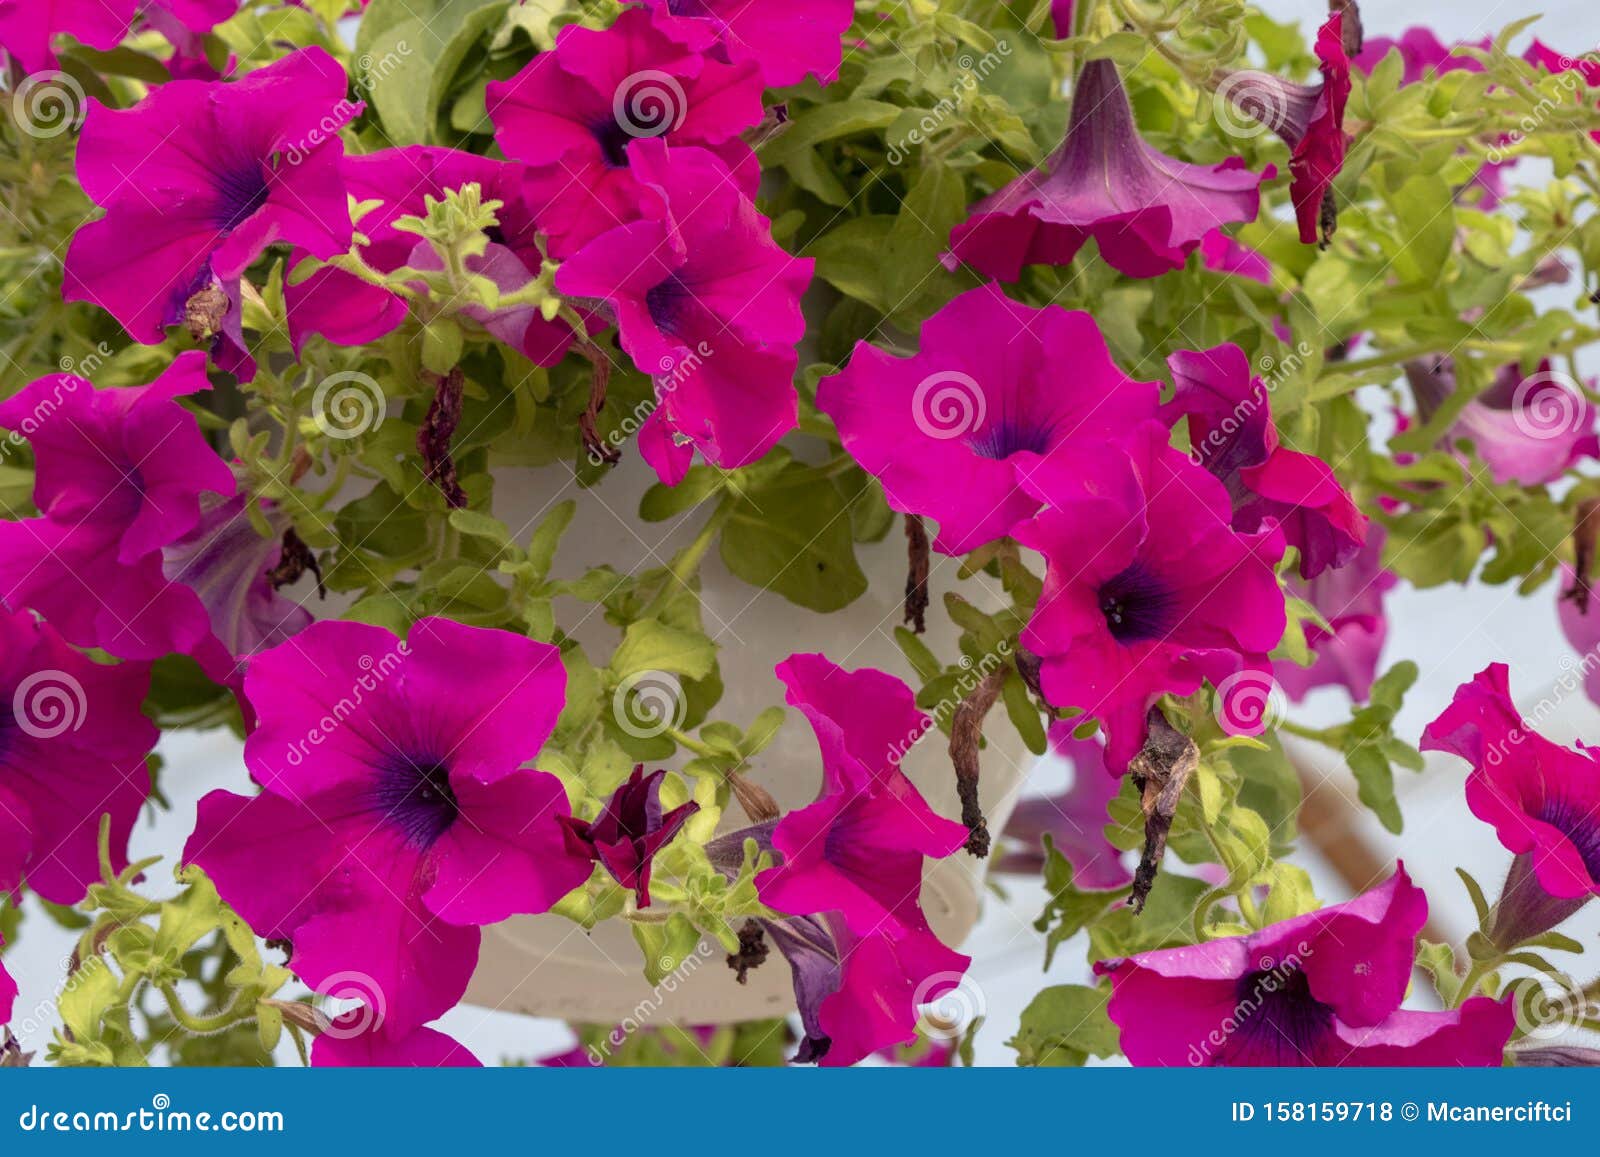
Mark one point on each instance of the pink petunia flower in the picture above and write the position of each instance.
(197, 180)
(1310, 119)
(1148, 590)
(396, 815)
(351, 1043)
(72, 748)
(1350, 598)
(859, 848)
(349, 311)
(29, 29)
(849, 876)
(788, 41)
(1527, 428)
(1232, 435)
(707, 304)
(1323, 989)
(120, 474)
(1075, 820)
(1147, 211)
(629, 831)
(571, 114)
(1542, 799)
(984, 402)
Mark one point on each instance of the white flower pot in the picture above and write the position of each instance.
(548, 966)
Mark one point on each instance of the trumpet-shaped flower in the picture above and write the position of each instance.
(706, 303)
(197, 180)
(1148, 589)
(396, 814)
(571, 114)
(983, 401)
(1321, 989)
(629, 831)
(30, 29)
(1146, 210)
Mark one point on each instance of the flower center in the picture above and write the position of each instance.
(688, 8)
(1005, 438)
(1137, 605)
(415, 797)
(1277, 1021)
(241, 191)
(613, 140)
(1578, 823)
(665, 303)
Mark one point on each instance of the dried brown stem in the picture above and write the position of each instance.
(966, 730)
(1160, 771)
(437, 431)
(598, 448)
(916, 573)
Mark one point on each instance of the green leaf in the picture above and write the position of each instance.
(792, 535)
(648, 645)
(666, 945)
(1065, 1026)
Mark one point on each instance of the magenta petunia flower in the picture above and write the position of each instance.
(571, 115)
(29, 29)
(984, 402)
(350, 1044)
(1147, 211)
(788, 41)
(859, 848)
(1527, 428)
(1148, 590)
(197, 180)
(629, 831)
(396, 814)
(1321, 989)
(119, 475)
(1542, 799)
(706, 303)
(1310, 119)
(348, 311)
(1350, 598)
(1075, 820)
(72, 748)
(1422, 54)
(1231, 434)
